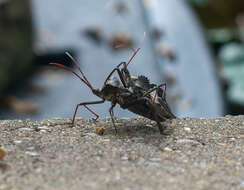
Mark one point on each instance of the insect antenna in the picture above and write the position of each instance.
(132, 49)
(77, 65)
(84, 79)
(135, 51)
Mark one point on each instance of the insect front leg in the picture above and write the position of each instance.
(111, 111)
(85, 105)
(121, 76)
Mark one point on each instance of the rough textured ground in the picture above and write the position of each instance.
(194, 154)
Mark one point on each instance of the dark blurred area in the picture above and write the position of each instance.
(224, 25)
(15, 41)
(217, 13)
(196, 46)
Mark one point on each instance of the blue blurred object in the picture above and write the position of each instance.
(194, 89)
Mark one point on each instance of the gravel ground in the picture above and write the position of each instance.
(193, 154)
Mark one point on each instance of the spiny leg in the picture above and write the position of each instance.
(111, 111)
(84, 104)
(156, 88)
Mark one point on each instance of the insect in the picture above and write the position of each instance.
(130, 92)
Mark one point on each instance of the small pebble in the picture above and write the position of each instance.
(38, 170)
(17, 141)
(31, 153)
(91, 134)
(187, 129)
(168, 149)
(100, 130)
(106, 140)
(155, 159)
(43, 127)
(153, 164)
(3, 153)
(149, 125)
(30, 148)
(43, 131)
(124, 158)
(187, 141)
(26, 129)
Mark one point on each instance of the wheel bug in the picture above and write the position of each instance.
(132, 93)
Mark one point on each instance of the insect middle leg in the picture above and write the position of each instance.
(85, 105)
(111, 111)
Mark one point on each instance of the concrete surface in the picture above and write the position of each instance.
(195, 154)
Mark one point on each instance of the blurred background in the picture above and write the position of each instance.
(195, 46)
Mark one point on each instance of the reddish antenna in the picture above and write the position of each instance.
(77, 65)
(84, 79)
(135, 51)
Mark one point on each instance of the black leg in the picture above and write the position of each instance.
(157, 89)
(111, 111)
(85, 105)
(121, 76)
(161, 128)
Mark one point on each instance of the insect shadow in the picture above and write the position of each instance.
(138, 129)
(134, 93)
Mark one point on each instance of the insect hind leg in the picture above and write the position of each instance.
(161, 128)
